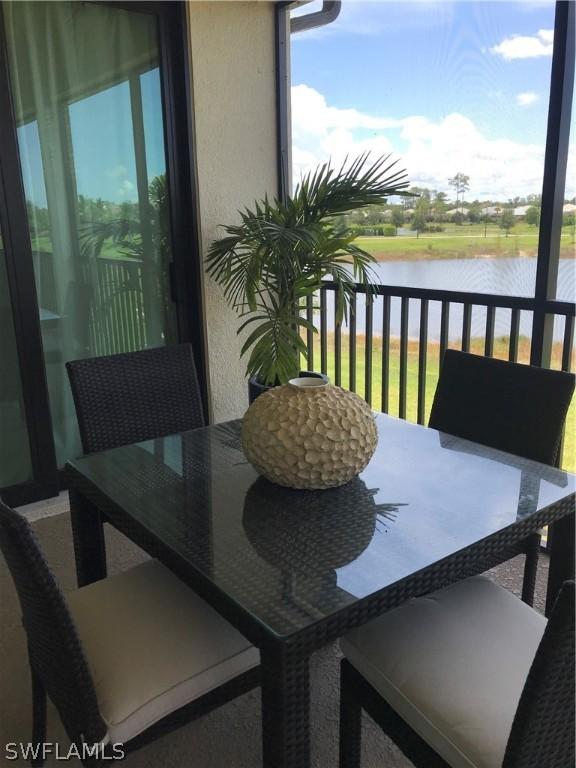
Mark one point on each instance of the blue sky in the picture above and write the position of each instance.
(446, 86)
(102, 144)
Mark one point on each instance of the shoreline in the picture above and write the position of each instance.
(566, 254)
(501, 342)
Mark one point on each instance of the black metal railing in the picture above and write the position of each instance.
(117, 321)
(412, 327)
(131, 305)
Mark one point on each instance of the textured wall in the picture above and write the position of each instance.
(233, 69)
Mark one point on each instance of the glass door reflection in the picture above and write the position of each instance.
(86, 83)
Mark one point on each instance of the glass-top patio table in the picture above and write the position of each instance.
(295, 570)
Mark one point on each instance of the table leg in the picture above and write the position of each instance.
(88, 535)
(561, 557)
(285, 708)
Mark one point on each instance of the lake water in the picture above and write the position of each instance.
(510, 277)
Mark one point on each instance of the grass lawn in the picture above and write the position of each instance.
(467, 241)
(109, 250)
(477, 345)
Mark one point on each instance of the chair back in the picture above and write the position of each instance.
(515, 408)
(543, 729)
(55, 651)
(135, 396)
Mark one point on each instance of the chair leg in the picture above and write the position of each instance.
(531, 568)
(350, 720)
(38, 717)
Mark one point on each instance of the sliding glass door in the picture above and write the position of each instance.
(86, 82)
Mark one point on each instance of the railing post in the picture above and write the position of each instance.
(403, 357)
(337, 345)
(422, 358)
(368, 350)
(444, 328)
(466, 327)
(489, 335)
(323, 332)
(352, 345)
(385, 353)
(310, 332)
(514, 333)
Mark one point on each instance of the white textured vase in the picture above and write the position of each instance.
(309, 434)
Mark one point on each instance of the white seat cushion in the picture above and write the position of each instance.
(453, 665)
(153, 645)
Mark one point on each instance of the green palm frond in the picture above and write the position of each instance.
(119, 231)
(280, 252)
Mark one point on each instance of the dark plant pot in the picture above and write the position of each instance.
(255, 389)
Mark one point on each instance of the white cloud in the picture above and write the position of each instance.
(526, 98)
(125, 189)
(431, 151)
(315, 116)
(117, 172)
(525, 46)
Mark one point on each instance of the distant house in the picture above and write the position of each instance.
(521, 210)
(453, 211)
(491, 210)
(569, 208)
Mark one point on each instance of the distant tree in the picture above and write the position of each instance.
(418, 222)
(461, 184)
(38, 220)
(374, 215)
(397, 217)
(439, 205)
(474, 212)
(421, 213)
(533, 216)
(415, 192)
(507, 220)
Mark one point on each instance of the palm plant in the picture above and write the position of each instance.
(125, 231)
(282, 251)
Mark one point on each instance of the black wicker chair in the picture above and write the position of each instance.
(515, 408)
(135, 396)
(469, 675)
(126, 659)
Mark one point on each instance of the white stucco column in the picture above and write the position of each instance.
(234, 94)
